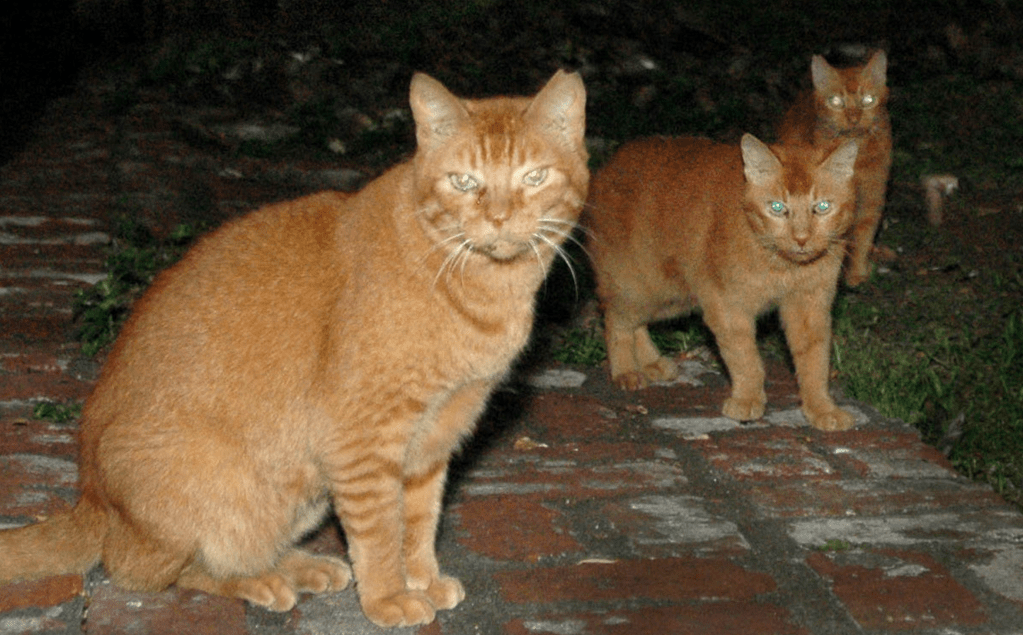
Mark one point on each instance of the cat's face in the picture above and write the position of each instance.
(799, 203)
(501, 179)
(850, 99)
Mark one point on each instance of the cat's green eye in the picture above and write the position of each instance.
(536, 177)
(777, 208)
(822, 207)
(868, 100)
(463, 182)
(836, 101)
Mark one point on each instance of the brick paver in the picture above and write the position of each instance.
(579, 509)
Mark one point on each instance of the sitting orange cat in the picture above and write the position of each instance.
(683, 223)
(850, 103)
(333, 350)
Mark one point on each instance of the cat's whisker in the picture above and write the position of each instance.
(441, 245)
(559, 221)
(565, 235)
(466, 254)
(570, 226)
(561, 253)
(539, 259)
(450, 262)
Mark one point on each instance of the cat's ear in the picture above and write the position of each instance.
(825, 77)
(842, 161)
(875, 72)
(560, 107)
(762, 167)
(438, 113)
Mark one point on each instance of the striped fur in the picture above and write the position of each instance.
(329, 351)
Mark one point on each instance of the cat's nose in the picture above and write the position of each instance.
(497, 211)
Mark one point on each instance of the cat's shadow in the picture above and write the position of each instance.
(499, 422)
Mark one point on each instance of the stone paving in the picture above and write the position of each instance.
(578, 509)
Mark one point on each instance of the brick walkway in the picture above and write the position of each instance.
(579, 510)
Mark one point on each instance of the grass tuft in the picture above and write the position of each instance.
(135, 259)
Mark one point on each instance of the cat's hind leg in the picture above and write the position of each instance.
(261, 565)
(655, 366)
(633, 357)
(278, 589)
(136, 560)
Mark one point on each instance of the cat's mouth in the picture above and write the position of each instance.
(804, 255)
(502, 249)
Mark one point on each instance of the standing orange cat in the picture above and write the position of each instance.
(329, 351)
(686, 223)
(845, 104)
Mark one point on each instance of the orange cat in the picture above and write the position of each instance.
(850, 104)
(333, 350)
(679, 224)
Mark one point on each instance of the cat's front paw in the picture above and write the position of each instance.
(833, 420)
(744, 409)
(407, 608)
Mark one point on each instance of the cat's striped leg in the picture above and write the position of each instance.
(423, 495)
(367, 472)
(426, 469)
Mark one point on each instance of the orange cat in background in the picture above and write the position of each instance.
(686, 223)
(333, 350)
(850, 103)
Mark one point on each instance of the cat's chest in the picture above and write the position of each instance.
(484, 349)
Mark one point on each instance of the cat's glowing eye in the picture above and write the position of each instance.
(536, 177)
(463, 182)
(836, 101)
(777, 208)
(868, 100)
(822, 207)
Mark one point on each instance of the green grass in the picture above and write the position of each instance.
(585, 345)
(135, 258)
(962, 387)
(57, 412)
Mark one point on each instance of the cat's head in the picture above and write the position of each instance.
(850, 99)
(502, 178)
(799, 202)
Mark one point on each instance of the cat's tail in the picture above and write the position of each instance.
(69, 542)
